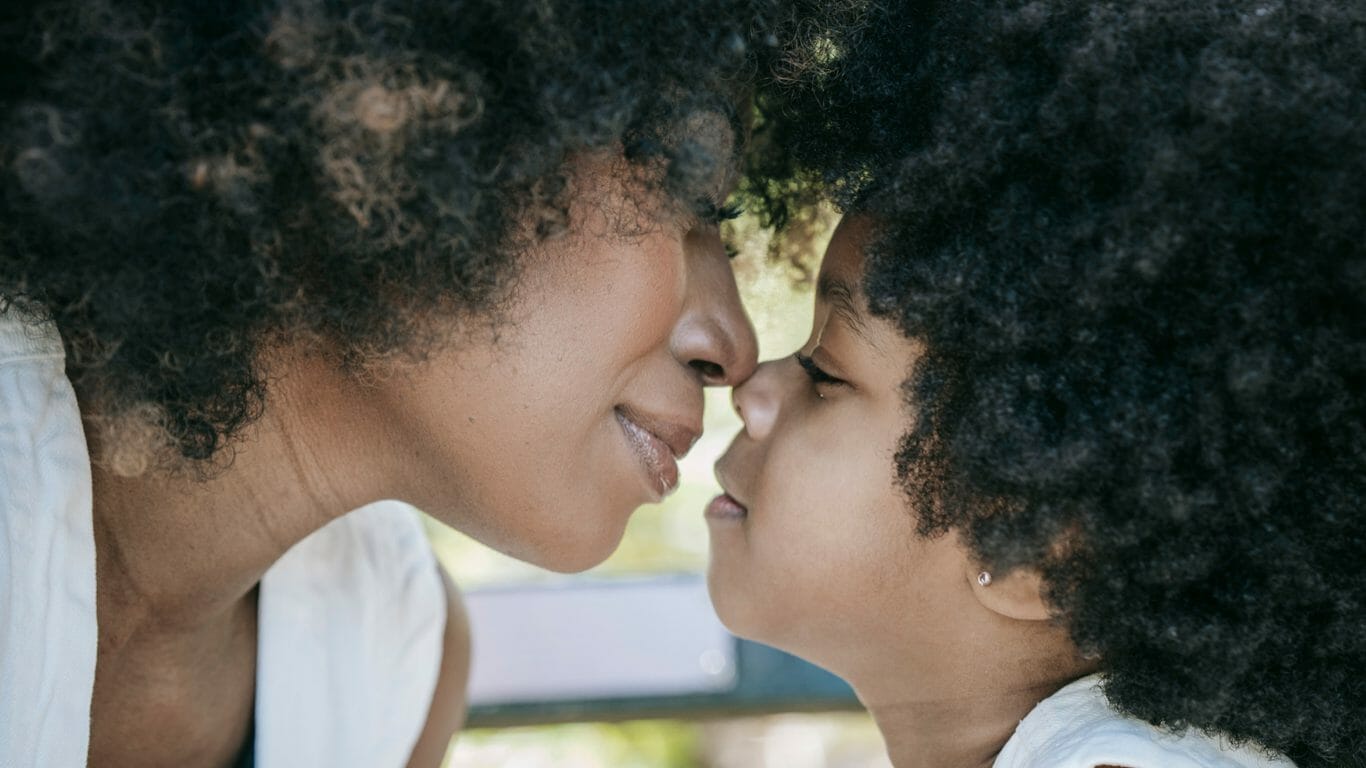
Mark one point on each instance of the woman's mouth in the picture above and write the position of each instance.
(657, 457)
(725, 507)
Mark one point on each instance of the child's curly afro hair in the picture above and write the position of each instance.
(1133, 237)
(181, 183)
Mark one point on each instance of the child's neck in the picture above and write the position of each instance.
(955, 730)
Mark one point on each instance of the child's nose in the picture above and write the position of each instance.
(757, 399)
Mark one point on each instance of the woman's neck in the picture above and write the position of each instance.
(177, 550)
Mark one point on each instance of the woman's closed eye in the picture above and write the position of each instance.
(713, 212)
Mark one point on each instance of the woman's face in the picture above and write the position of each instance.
(543, 438)
(814, 543)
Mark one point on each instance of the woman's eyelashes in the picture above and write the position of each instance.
(818, 376)
(712, 213)
(707, 212)
(716, 213)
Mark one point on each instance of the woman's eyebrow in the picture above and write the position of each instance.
(840, 296)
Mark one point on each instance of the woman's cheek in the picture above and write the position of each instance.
(660, 277)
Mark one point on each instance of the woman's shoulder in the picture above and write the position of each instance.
(1077, 728)
(47, 625)
(351, 640)
(22, 339)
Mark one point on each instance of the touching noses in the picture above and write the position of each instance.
(757, 399)
(714, 336)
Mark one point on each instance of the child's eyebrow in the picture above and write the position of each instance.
(840, 296)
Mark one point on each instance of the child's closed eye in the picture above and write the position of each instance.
(817, 374)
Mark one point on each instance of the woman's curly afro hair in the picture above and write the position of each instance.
(181, 183)
(1133, 238)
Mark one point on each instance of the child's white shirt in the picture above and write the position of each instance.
(1077, 728)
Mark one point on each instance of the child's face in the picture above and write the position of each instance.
(815, 545)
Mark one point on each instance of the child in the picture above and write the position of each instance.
(1070, 471)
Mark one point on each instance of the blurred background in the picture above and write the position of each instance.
(671, 538)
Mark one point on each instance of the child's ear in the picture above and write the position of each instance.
(1015, 594)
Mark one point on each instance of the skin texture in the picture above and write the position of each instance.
(598, 321)
(492, 437)
(826, 563)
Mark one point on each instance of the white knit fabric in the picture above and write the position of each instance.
(47, 556)
(350, 643)
(350, 624)
(1077, 728)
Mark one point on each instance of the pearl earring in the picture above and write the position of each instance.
(984, 578)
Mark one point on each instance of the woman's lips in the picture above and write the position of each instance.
(656, 456)
(725, 507)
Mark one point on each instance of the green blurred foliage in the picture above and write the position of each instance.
(638, 744)
(834, 740)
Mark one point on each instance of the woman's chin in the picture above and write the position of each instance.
(577, 548)
(568, 558)
(557, 534)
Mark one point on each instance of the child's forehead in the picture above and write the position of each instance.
(843, 261)
(839, 286)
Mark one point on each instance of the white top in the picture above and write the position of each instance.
(351, 619)
(1077, 728)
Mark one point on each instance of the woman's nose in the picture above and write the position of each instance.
(714, 336)
(757, 399)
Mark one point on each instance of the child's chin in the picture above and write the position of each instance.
(737, 609)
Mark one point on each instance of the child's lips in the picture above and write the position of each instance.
(725, 507)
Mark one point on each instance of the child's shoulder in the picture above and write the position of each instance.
(1077, 728)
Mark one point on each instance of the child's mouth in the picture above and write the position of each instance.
(725, 507)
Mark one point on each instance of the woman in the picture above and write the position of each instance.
(267, 263)
(1070, 470)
